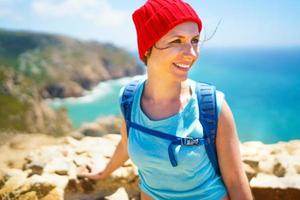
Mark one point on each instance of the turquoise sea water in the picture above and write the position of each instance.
(262, 87)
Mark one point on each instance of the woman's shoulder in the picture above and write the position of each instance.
(220, 96)
(193, 84)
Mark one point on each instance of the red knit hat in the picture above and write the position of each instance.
(156, 17)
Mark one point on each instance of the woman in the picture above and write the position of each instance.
(168, 33)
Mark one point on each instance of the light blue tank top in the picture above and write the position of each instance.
(194, 177)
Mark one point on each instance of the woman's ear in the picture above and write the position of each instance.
(147, 53)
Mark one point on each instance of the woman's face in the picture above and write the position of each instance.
(173, 55)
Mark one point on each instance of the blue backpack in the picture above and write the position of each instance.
(206, 95)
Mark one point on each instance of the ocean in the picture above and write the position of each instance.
(261, 85)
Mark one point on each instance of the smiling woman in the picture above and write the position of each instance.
(174, 54)
(180, 134)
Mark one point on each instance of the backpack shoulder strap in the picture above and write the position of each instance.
(208, 116)
(127, 100)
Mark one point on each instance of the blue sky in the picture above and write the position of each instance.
(249, 23)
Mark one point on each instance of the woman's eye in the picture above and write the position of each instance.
(195, 41)
(176, 41)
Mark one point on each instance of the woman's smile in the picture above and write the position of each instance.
(182, 67)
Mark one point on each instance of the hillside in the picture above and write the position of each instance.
(62, 66)
(34, 66)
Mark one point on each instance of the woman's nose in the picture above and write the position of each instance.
(191, 50)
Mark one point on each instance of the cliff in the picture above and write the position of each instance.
(62, 66)
(23, 109)
(35, 66)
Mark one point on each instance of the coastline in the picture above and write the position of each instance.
(101, 101)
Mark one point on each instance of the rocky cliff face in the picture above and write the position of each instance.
(34, 66)
(23, 110)
(62, 66)
(50, 172)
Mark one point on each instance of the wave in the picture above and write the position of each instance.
(100, 91)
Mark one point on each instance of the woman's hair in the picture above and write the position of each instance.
(156, 17)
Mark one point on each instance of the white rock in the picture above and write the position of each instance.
(265, 180)
(120, 194)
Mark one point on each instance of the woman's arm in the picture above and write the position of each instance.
(120, 156)
(229, 157)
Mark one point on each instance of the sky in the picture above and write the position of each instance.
(252, 23)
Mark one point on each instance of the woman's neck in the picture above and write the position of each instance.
(161, 90)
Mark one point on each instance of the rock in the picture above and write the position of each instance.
(271, 187)
(262, 193)
(63, 90)
(55, 194)
(91, 129)
(13, 180)
(113, 138)
(250, 172)
(29, 196)
(36, 167)
(265, 180)
(297, 167)
(119, 194)
(34, 187)
(76, 134)
(279, 170)
(45, 120)
(39, 184)
(25, 111)
(48, 185)
(51, 172)
(277, 159)
(103, 126)
(19, 147)
(253, 163)
(273, 169)
(289, 162)
(55, 159)
(266, 165)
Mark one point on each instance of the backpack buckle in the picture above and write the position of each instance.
(188, 141)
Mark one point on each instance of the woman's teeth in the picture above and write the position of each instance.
(183, 66)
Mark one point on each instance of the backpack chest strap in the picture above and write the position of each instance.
(187, 141)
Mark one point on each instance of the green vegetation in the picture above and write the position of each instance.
(34, 66)
(49, 59)
(12, 114)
